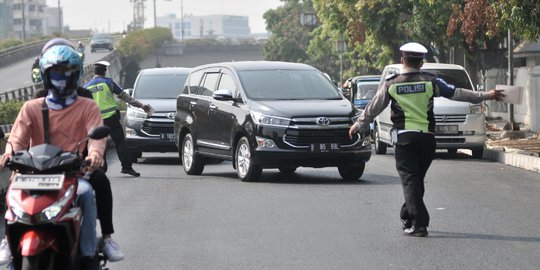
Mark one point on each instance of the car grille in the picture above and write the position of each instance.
(450, 118)
(304, 131)
(450, 140)
(156, 128)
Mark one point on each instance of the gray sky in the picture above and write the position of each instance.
(115, 15)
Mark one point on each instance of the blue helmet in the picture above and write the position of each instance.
(65, 83)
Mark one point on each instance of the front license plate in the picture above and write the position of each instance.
(38, 181)
(167, 136)
(446, 129)
(324, 147)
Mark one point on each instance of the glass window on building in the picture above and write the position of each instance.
(32, 8)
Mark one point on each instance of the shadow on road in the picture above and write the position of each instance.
(479, 236)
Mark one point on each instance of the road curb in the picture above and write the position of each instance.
(516, 159)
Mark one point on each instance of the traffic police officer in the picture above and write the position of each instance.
(410, 94)
(103, 90)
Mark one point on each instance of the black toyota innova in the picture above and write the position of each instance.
(262, 114)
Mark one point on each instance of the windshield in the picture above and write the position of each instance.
(456, 77)
(366, 89)
(100, 36)
(159, 86)
(287, 85)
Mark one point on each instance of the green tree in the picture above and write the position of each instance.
(137, 46)
(289, 40)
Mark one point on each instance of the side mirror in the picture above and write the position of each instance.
(99, 132)
(223, 94)
(129, 91)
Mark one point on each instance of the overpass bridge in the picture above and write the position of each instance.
(16, 73)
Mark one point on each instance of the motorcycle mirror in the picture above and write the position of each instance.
(99, 132)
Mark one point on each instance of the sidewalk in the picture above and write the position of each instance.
(516, 157)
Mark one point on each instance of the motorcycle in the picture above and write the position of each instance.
(36, 75)
(42, 218)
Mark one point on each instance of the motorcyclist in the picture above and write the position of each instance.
(99, 181)
(35, 69)
(61, 68)
(80, 46)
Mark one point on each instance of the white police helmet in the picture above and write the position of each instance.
(413, 50)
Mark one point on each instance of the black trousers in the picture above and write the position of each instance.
(104, 201)
(413, 153)
(119, 139)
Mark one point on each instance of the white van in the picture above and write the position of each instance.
(459, 125)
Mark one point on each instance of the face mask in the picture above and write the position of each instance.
(59, 79)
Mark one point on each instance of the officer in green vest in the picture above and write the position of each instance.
(103, 91)
(410, 94)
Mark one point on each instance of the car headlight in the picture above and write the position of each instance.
(268, 120)
(477, 108)
(136, 113)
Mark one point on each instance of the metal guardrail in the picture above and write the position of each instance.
(11, 55)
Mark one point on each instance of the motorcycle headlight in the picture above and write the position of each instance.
(52, 211)
(268, 120)
(136, 113)
(17, 209)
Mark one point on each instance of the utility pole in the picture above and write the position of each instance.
(510, 79)
(155, 20)
(59, 19)
(182, 19)
(23, 21)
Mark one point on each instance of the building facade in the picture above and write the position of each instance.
(28, 17)
(210, 26)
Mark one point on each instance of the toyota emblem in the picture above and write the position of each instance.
(323, 121)
(171, 115)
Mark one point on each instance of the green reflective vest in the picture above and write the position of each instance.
(104, 98)
(413, 99)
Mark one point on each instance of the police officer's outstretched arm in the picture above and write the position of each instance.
(133, 102)
(461, 94)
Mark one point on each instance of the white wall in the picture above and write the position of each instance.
(527, 111)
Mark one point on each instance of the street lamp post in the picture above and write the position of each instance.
(59, 19)
(341, 47)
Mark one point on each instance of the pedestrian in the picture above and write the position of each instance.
(410, 94)
(103, 90)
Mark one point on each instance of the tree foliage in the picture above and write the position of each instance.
(289, 39)
(374, 30)
(138, 44)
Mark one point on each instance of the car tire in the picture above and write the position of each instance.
(287, 170)
(352, 172)
(245, 168)
(134, 156)
(380, 147)
(477, 153)
(192, 162)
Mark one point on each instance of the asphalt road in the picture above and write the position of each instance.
(484, 215)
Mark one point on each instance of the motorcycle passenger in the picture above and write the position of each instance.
(70, 119)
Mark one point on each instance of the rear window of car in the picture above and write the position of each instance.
(286, 85)
(456, 77)
(159, 86)
(101, 36)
